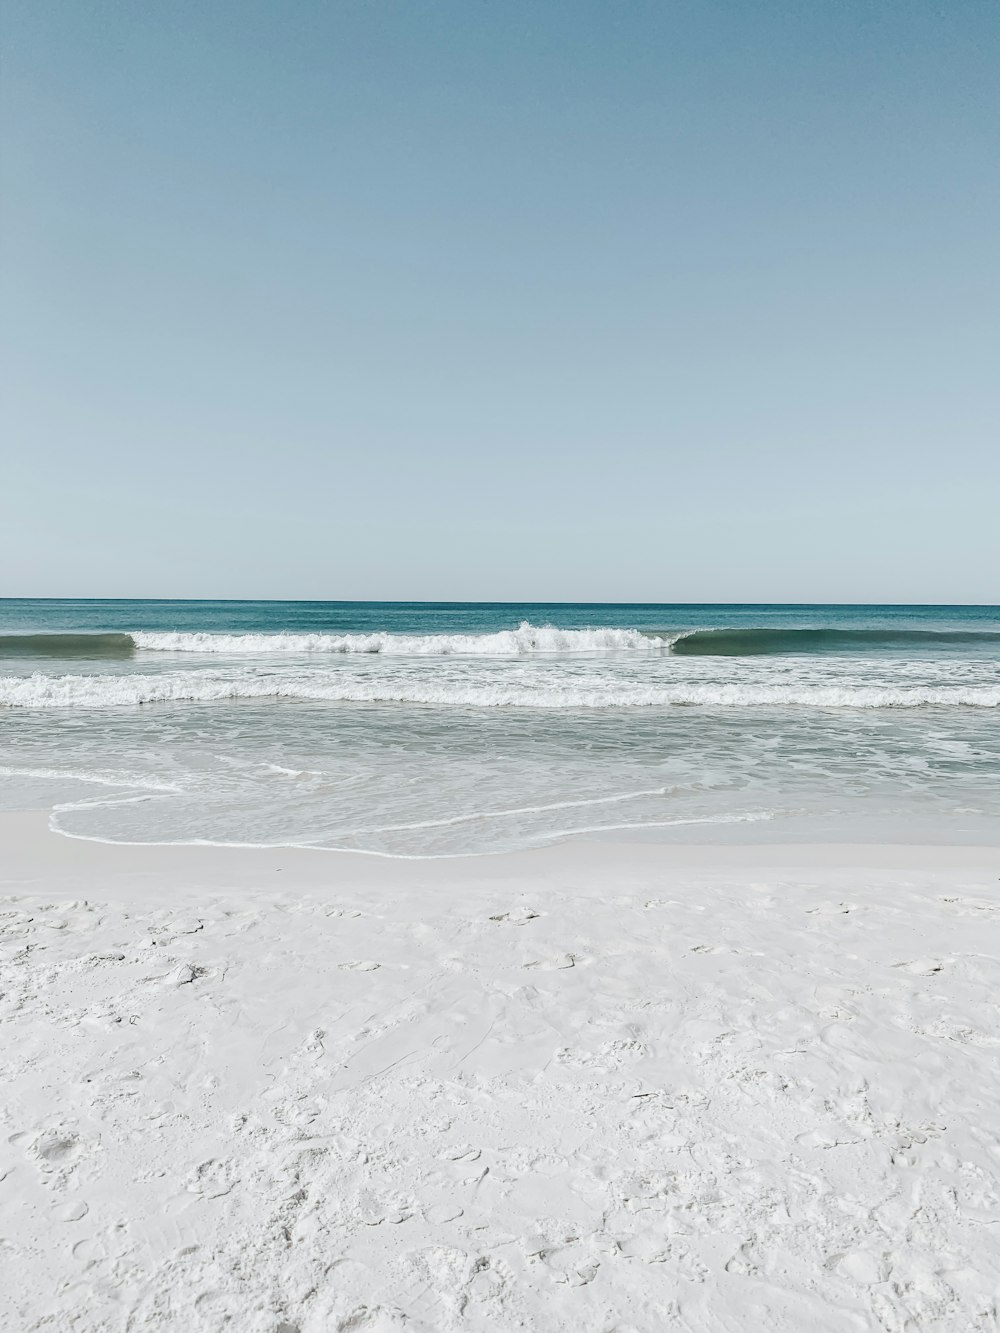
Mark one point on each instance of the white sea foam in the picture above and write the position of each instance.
(526, 639)
(122, 780)
(107, 691)
(475, 816)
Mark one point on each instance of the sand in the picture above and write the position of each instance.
(592, 1087)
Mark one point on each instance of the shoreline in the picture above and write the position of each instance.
(31, 847)
(597, 1085)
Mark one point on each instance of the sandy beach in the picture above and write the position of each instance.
(499, 668)
(597, 1086)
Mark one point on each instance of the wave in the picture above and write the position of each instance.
(40, 691)
(124, 780)
(66, 645)
(755, 642)
(526, 639)
(554, 835)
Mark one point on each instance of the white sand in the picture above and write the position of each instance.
(595, 1087)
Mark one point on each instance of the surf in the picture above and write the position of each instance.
(67, 645)
(98, 692)
(765, 641)
(526, 640)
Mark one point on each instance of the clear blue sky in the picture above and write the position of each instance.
(648, 300)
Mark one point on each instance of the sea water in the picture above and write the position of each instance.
(425, 729)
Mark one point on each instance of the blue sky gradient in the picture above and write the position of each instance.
(666, 301)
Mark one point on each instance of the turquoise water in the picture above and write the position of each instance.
(83, 615)
(438, 729)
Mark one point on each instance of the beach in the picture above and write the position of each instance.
(597, 1085)
(499, 668)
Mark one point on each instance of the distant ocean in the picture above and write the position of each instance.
(419, 729)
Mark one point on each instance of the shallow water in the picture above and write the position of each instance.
(424, 730)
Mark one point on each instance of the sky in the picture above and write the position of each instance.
(629, 300)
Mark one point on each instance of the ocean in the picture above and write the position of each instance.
(440, 729)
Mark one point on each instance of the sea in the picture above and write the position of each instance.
(445, 729)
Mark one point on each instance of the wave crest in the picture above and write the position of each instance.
(526, 639)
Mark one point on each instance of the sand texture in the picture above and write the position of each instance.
(592, 1088)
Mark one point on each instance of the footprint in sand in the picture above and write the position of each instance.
(554, 963)
(460, 1152)
(836, 1137)
(184, 974)
(56, 1150)
(517, 916)
(71, 1212)
(744, 1262)
(863, 1267)
(372, 1210)
(921, 967)
(361, 965)
(439, 1213)
(166, 932)
(374, 1319)
(213, 1179)
(570, 1264)
(89, 1251)
(646, 1246)
(973, 906)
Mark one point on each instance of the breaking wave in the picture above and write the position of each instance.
(40, 691)
(526, 640)
(504, 643)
